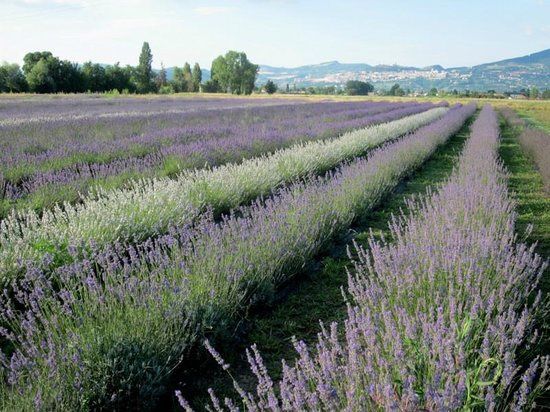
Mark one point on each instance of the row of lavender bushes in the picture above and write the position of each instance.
(47, 149)
(535, 142)
(168, 151)
(40, 108)
(440, 315)
(109, 331)
(150, 207)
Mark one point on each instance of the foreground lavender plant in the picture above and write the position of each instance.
(114, 326)
(438, 317)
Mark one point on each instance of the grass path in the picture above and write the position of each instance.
(314, 295)
(533, 208)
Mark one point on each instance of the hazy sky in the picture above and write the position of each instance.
(277, 32)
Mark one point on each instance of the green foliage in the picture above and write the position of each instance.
(31, 59)
(47, 74)
(270, 87)
(358, 88)
(12, 79)
(40, 78)
(166, 89)
(234, 73)
(197, 77)
(144, 71)
(188, 76)
(162, 81)
(211, 86)
(95, 78)
(534, 93)
(185, 79)
(396, 90)
(119, 78)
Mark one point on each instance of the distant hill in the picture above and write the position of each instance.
(510, 74)
(532, 70)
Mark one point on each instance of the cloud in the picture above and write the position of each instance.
(210, 10)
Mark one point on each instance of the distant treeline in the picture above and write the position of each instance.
(355, 87)
(42, 72)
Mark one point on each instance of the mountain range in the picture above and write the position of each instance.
(532, 70)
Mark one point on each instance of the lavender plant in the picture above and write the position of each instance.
(74, 153)
(114, 326)
(150, 207)
(535, 142)
(439, 314)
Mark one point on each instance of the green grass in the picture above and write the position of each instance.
(314, 296)
(533, 206)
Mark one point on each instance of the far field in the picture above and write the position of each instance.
(168, 252)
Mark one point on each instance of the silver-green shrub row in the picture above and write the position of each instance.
(149, 207)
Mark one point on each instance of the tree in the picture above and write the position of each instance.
(40, 78)
(197, 77)
(162, 77)
(119, 78)
(270, 87)
(432, 92)
(179, 83)
(188, 77)
(67, 76)
(47, 74)
(211, 86)
(220, 73)
(12, 79)
(234, 73)
(533, 93)
(396, 90)
(31, 59)
(95, 78)
(144, 70)
(358, 88)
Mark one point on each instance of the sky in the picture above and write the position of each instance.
(286, 33)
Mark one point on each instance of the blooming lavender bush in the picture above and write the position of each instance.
(114, 326)
(149, 207)
(535, 142)
(438, 316)
(75, 152)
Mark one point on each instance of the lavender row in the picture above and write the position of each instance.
(116, 325)
(439, 317)
(235, 145)
(534, 142)
(30, 109)
(47, 145)
(149, 207)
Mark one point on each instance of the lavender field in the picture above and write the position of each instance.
(69, 147)
(144, 238)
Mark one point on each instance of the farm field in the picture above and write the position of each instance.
(168, 252)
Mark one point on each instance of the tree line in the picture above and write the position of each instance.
(42, 72)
